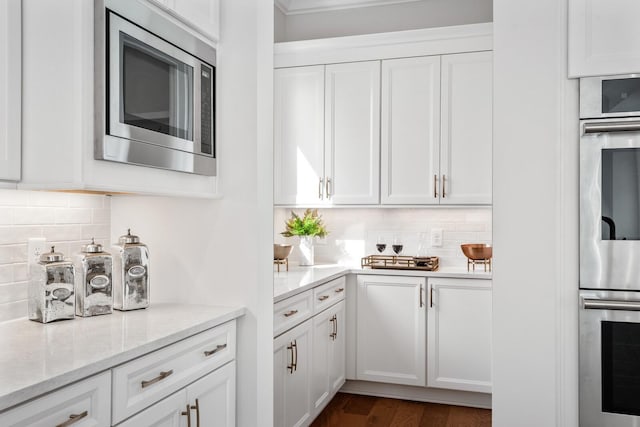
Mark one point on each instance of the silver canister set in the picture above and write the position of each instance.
(93, 283)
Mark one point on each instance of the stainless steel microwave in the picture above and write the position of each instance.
(154, 90)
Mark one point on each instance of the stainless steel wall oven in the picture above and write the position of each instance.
(610, 251)
(154, 91)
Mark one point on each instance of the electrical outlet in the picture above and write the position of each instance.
(35, 248)
(436, 237)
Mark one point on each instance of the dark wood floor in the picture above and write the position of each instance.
(350, 410)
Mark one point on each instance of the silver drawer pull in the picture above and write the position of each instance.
(323, 297)
(215, 350)
(339, 290)
(163, 375)
(596, 304)
(290, 313)
(73, 418)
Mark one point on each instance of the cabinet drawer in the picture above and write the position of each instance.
(144, 381)
(292, 311)
(328, 294)
(88, 400)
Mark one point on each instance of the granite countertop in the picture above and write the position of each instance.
(299, 279)
(37, 358)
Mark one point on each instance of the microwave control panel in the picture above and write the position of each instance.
(206, 111)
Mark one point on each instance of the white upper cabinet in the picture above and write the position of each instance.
(467, 128)
(201, 15)
(604, 37)
(299, 135)
(352, 132)
(410, 130)
(10, 90)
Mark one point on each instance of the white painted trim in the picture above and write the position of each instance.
(296, 7)
(399, 44)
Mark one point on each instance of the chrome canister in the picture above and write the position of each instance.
(93, 281)
(50, 291)
(130, 273)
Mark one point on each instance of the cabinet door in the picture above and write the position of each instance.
(467, 129)
(212, 398)
(169, 412)
(410, 131)
(203, 15)
(459, 334)
(604, 37)
(352, 132)
(10, 89)
(299, 135)
(87, 401)
(328, 373)
(391, 330)
(292, 376)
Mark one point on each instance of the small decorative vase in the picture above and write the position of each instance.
(306, 250)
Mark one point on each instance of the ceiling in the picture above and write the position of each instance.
(294, 7)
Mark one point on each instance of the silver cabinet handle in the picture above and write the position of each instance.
(608, 304)
(435, 186)
(290, 313)
(334, 331)
(163, 375)
(73, 418)
(339, 290)
(290, 367)
(444, 194)
(320, 185)
(215, 350)
(197, 408)
(328, 189)
(431, 297)
(421, 300)
(612, 126)
(323, 297)
(188, 414)
(295, 352)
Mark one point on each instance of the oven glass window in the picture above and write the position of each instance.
(620, 367)
(620, 95)
(621, 194)
(156, 90)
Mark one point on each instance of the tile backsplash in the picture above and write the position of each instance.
(66, 220)
(353, 232)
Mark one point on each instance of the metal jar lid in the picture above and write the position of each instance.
(129, 238)
(52, 256)
(92, 248)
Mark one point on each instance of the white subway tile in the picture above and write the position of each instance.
(48, 198)
(19, 253)
(20, 272)
(6, 273)
(6, 215)
(13, 310)
(62, 232)
(73, 216)
(87, 201)
(18, 234)
(101, 216)
(95, 231)
(6, 254)
(33, 215)
(14, 198)
(13, 292)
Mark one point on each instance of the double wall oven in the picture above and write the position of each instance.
(610, 251)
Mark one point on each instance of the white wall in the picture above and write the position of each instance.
(380, 19)
(219, 251)
(66, 220)
(353, 232)
(535, 218)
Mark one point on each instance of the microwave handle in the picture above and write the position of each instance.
(612, 126)
(608, 304)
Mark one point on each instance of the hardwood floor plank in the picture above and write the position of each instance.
(408, 414)
(382, 413)
(461, 416)
(435, 415)
(360, 405)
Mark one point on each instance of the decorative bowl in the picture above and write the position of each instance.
(477, 251)
(281, 251)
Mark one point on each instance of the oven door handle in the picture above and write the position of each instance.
(612, 126)
(610, 304)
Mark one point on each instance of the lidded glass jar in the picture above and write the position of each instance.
(51, 287)
(93, 281)
(130, 273)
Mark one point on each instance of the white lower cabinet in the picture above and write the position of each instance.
(292, 376)
(459, 331)
(391, 329)
(166, 413)
(84, 404)
(328, 372)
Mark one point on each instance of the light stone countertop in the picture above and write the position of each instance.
(37, 358)
(299, 279)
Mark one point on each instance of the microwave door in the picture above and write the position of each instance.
(151, 89)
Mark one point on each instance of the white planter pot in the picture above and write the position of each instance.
(306, 250)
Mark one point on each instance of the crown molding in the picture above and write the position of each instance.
(296, 7)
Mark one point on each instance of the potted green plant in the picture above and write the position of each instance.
(306, 227)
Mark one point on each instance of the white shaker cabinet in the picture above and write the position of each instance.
(328, 373)
(299, 135)
(604, 37)
(391, 329)
(437, 129)
(203, 16)
(459, 331)
(10, 90)
(410, 130)
(170, 412)
(212, 398)
(466, 128)
(292, 376)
